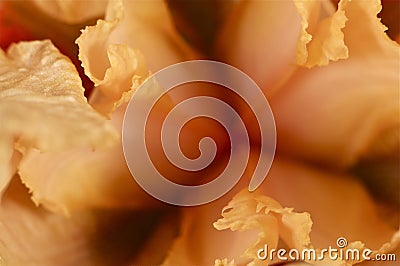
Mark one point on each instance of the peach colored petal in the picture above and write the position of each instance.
(78, 179)
(349, 110)
(260, 38)
(148, 27)
(326, 42)
(338, 204)
(43, 106)
(72, 11)
(199, 243)
(126, 73)
(248, 211)
(85, 178)
(32, 236)
(8, 166)
(307, 10)
(107, 55)
(335, 116)
(114, 68)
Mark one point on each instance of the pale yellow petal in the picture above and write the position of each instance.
(326, 40)
(42, 104)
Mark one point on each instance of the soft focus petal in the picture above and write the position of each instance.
(224, 262)
(260, 38)
(43, 106)
(32, 236)
(339, 207)
(72, 11)
(199, 243)
(349, 110)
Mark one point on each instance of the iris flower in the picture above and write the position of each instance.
(329, 72)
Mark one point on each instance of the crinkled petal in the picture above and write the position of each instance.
(126, 73)
(199, 243)
(114, 68)
(78, 179)
(326, 41)
(148, 27)
(248, 211)
(72, 11)
(87, 178)
(107, 49)
(338, 204)
(42, 105)
(349, 110)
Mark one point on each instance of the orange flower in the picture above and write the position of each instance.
(330, 75)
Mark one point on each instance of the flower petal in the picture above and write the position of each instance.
(78, 179)
(247, 211)
(339, 207)
(32, 236)
(328, 198)
(339, 204)
(106, 50)
(260, 38)
(327, 39)
(347, 111)
(43, 106)
(72, 11)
